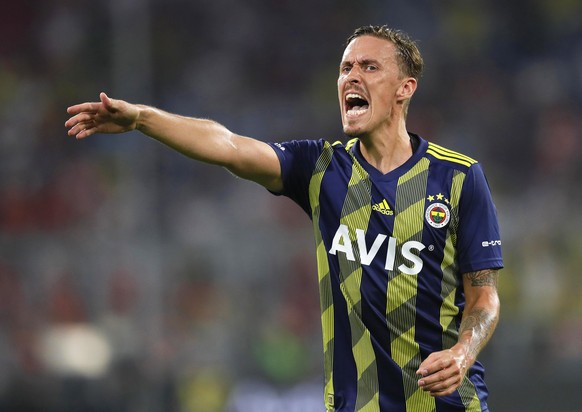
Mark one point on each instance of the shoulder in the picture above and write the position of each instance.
(464, 167)
(449, 158)
(298, 146)
(312, 149)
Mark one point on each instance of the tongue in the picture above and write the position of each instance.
(359, 107)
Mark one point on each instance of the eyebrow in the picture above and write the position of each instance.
(362, 62)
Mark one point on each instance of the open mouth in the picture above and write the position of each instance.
(356, 104)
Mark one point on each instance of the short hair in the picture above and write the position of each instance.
(409, 58)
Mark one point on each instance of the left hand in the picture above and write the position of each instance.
(442, 372)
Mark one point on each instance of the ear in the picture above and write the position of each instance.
(407, 88)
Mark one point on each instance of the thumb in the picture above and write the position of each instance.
(107, 102)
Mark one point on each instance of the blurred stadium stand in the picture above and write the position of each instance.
(133, 279)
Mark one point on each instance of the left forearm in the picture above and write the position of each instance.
(442, 372)
(481, 313)
(476, 329)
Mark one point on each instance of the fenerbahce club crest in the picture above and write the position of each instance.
(437, 214)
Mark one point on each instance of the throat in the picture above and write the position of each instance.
(387, 157)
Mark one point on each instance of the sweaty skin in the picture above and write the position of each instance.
(443, 372)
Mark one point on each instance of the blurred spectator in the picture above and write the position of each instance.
(166, 269)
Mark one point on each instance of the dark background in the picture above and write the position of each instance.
(133, 279)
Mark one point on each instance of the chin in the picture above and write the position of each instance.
(355, 127)
(350, 130)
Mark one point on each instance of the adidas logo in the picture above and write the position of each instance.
(383, 207)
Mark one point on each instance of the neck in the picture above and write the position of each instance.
(388, 150)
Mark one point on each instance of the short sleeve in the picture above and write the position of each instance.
(298, 158)
(479, 239)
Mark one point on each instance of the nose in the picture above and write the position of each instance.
(354, 76)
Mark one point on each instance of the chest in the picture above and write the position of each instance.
(416, 205)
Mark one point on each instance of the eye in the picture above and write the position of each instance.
(371, 68)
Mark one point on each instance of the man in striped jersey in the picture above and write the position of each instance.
(407, 239)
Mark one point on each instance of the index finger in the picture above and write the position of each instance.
(83, 107)
(433, 364)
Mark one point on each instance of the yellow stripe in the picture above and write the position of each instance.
(446, 152)
(449, 310)
(350, 143)
(402, 288)
(450, 159)
(403, 227)
(420, 401)
(404, 348)
(350, 287)
(361, 354)
(475, 405)
(456, 187)
(420, 167)
(327, 315)
(363, 351)
(447, 313)
(468, 395)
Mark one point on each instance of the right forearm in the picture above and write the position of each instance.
(210, 142)
(200, 139)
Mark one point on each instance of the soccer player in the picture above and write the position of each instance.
(408, 244)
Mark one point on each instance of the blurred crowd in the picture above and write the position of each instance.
(133, 279)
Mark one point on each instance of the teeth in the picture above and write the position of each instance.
(354, 96)
(354, 112)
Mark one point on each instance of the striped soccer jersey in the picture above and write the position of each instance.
(391, 249)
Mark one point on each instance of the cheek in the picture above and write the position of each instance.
(340, 86)
(383, 98)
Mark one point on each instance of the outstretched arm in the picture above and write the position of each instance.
(442, 372)
(200, 139)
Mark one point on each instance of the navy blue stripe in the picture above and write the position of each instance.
(428, 300)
